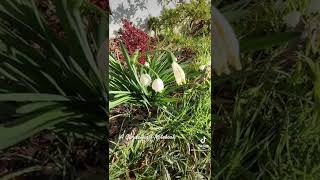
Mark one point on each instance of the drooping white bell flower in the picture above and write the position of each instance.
(157, 85)
(226, 49)
(314, 6)
(292, 19)
(145, 80)
(178, 73)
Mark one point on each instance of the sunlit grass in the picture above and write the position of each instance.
(188, 121)
(266, 116)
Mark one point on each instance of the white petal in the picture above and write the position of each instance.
(292, 19)
(157, 85)
(178, 73)
(145, 80)
(225, 45)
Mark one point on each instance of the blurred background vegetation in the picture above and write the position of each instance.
(267, 115)
(53, 95)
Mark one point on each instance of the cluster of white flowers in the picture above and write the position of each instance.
(157, 84)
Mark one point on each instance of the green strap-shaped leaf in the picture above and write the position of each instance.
(117, 102)
(12, 135)
(31, 107)
(25, 97)
(267, 41)
(72, 23)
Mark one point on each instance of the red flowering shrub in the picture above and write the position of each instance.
(134, 39)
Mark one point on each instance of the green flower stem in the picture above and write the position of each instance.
(154, 72)
(172, 56)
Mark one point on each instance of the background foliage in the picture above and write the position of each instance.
(49, 74)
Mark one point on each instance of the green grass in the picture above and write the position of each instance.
(267, 115)
(188, 121)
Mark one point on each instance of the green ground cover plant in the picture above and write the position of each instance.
(267, 115)
(151, 158)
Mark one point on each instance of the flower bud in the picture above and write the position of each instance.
(178, 73)
(157, 85)
(145, 80)
(292, 19)
(146, 64)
